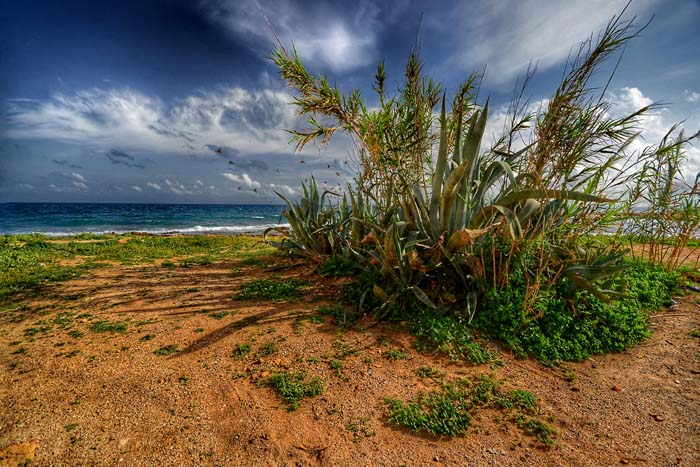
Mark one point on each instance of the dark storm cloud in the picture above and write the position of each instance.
(223, 151)
(65, 164)
(233, 155)
(121, 158)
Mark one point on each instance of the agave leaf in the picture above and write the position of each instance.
(529, 207)
(440, 165)
(595, 272)
(471, 151)
(470, 308)
(422, 296)
(495, 171)
(380, 293)
(588, 286)
(534, 193)
(485, 215)
(457, 267)
(464, 237)
(472, 142)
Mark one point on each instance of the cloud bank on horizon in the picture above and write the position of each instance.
(213, 130)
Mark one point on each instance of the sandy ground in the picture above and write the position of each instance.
(106, 399)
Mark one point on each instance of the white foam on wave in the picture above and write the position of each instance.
(197, 229)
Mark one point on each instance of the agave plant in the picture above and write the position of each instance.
(317, 224)
(434, 222)
(430, 248)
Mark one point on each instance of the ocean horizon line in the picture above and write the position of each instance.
(139, 203)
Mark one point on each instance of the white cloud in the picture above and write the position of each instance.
(78, 176)
(325, 34)
(177, 187)
(244, 179)
(656, 124)
(498, 122)
(136, 188)
(284, 189)
(250, 121)
(691, 96)
(155, 186)
(80, 185)
(507, 35)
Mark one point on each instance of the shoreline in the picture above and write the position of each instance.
(187, 232)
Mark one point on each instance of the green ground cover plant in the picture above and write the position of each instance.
(294, 386)
(449, 410)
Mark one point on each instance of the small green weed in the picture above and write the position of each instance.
(430, 372)
(293, 387)
(533, 427)
(340, 314)
(219, 314)
(268, 349)
(106, 326)
(30, 332)
(343, 349)
(360, 427)
(337, 367)
(75, 334)
(395, 354)
(438, 413)
(167, 350)
(523, 399)
(266, 289)
(298, 326)
(241, 351)
(64, 319)
(147, 337)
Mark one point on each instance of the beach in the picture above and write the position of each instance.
(157, 351)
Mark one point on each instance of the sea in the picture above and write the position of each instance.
(64, 219)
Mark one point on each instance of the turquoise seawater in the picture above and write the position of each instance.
(60, 219)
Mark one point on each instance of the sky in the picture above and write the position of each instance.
(176, 101)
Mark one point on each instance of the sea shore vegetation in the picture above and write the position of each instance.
(555, 239)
